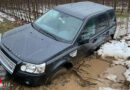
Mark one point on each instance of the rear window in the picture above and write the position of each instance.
(102, 22)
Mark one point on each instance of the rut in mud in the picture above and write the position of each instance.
(86, 75)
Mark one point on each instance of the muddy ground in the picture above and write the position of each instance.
(91, 73)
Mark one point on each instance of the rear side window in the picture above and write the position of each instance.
(112, 17)
(102, 22)
(89, 29)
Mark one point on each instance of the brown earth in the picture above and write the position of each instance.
(89, 74)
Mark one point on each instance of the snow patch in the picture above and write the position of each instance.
(1, 19)
(116, 49)
(120, 50)
(106, 88)
(111, 77)
(119, 62)
(127, 73)
(7, 16)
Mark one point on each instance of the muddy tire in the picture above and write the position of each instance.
(59, 71)
(112, 36)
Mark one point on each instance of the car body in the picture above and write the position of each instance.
(32, 53)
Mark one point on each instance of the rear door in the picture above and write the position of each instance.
(112, 21)
(96, 29)
(102, 29)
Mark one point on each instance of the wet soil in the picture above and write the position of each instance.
(88, 74)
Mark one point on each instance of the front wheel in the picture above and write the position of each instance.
(59, 71)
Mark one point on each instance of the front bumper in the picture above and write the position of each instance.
(29, 79)
(22, 77)
(7, 63)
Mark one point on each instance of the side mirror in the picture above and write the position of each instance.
(83, 40)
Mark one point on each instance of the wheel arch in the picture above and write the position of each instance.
(60, 63)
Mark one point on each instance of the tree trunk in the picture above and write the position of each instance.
(122, 7)
(115, 4)
(128, 5)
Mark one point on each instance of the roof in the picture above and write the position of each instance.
(82, 9)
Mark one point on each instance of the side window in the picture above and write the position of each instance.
(112, 17)
(102, 22)
(89, 29)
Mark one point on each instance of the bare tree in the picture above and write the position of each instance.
(128, 5)
(122, 6)
(115, 1)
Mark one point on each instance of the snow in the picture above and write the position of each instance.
(6, 16)
(111, 77)
(127, 73)
(123, 27)
(1, 19)
(116, 49)
(120, 50)
(106, 88)
(119, 62)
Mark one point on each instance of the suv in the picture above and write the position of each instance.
(36, 53)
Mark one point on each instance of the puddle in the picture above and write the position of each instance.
(96, 68)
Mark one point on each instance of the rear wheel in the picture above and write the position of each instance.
(112, 36)
(59, 71)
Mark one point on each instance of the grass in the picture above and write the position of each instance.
(7, 25)
(123, 15)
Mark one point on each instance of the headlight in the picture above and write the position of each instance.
(33, 68)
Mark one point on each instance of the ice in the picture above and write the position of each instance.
(6, 16)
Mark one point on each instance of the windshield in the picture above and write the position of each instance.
(59, 24)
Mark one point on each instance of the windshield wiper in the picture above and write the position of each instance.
(43, 31)
(48, 34)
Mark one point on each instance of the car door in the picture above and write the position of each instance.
(94, 32)
(102, 29)
(112, 21)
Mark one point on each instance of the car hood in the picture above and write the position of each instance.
(30, 45)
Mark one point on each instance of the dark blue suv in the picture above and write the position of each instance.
(36, 53)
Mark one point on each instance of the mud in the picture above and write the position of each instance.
(90, 74)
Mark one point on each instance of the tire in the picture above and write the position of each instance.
(112, 36)
(59, 71)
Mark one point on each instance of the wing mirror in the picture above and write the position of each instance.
(83, 40)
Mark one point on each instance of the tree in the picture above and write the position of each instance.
(128, 5)
(115, 1)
